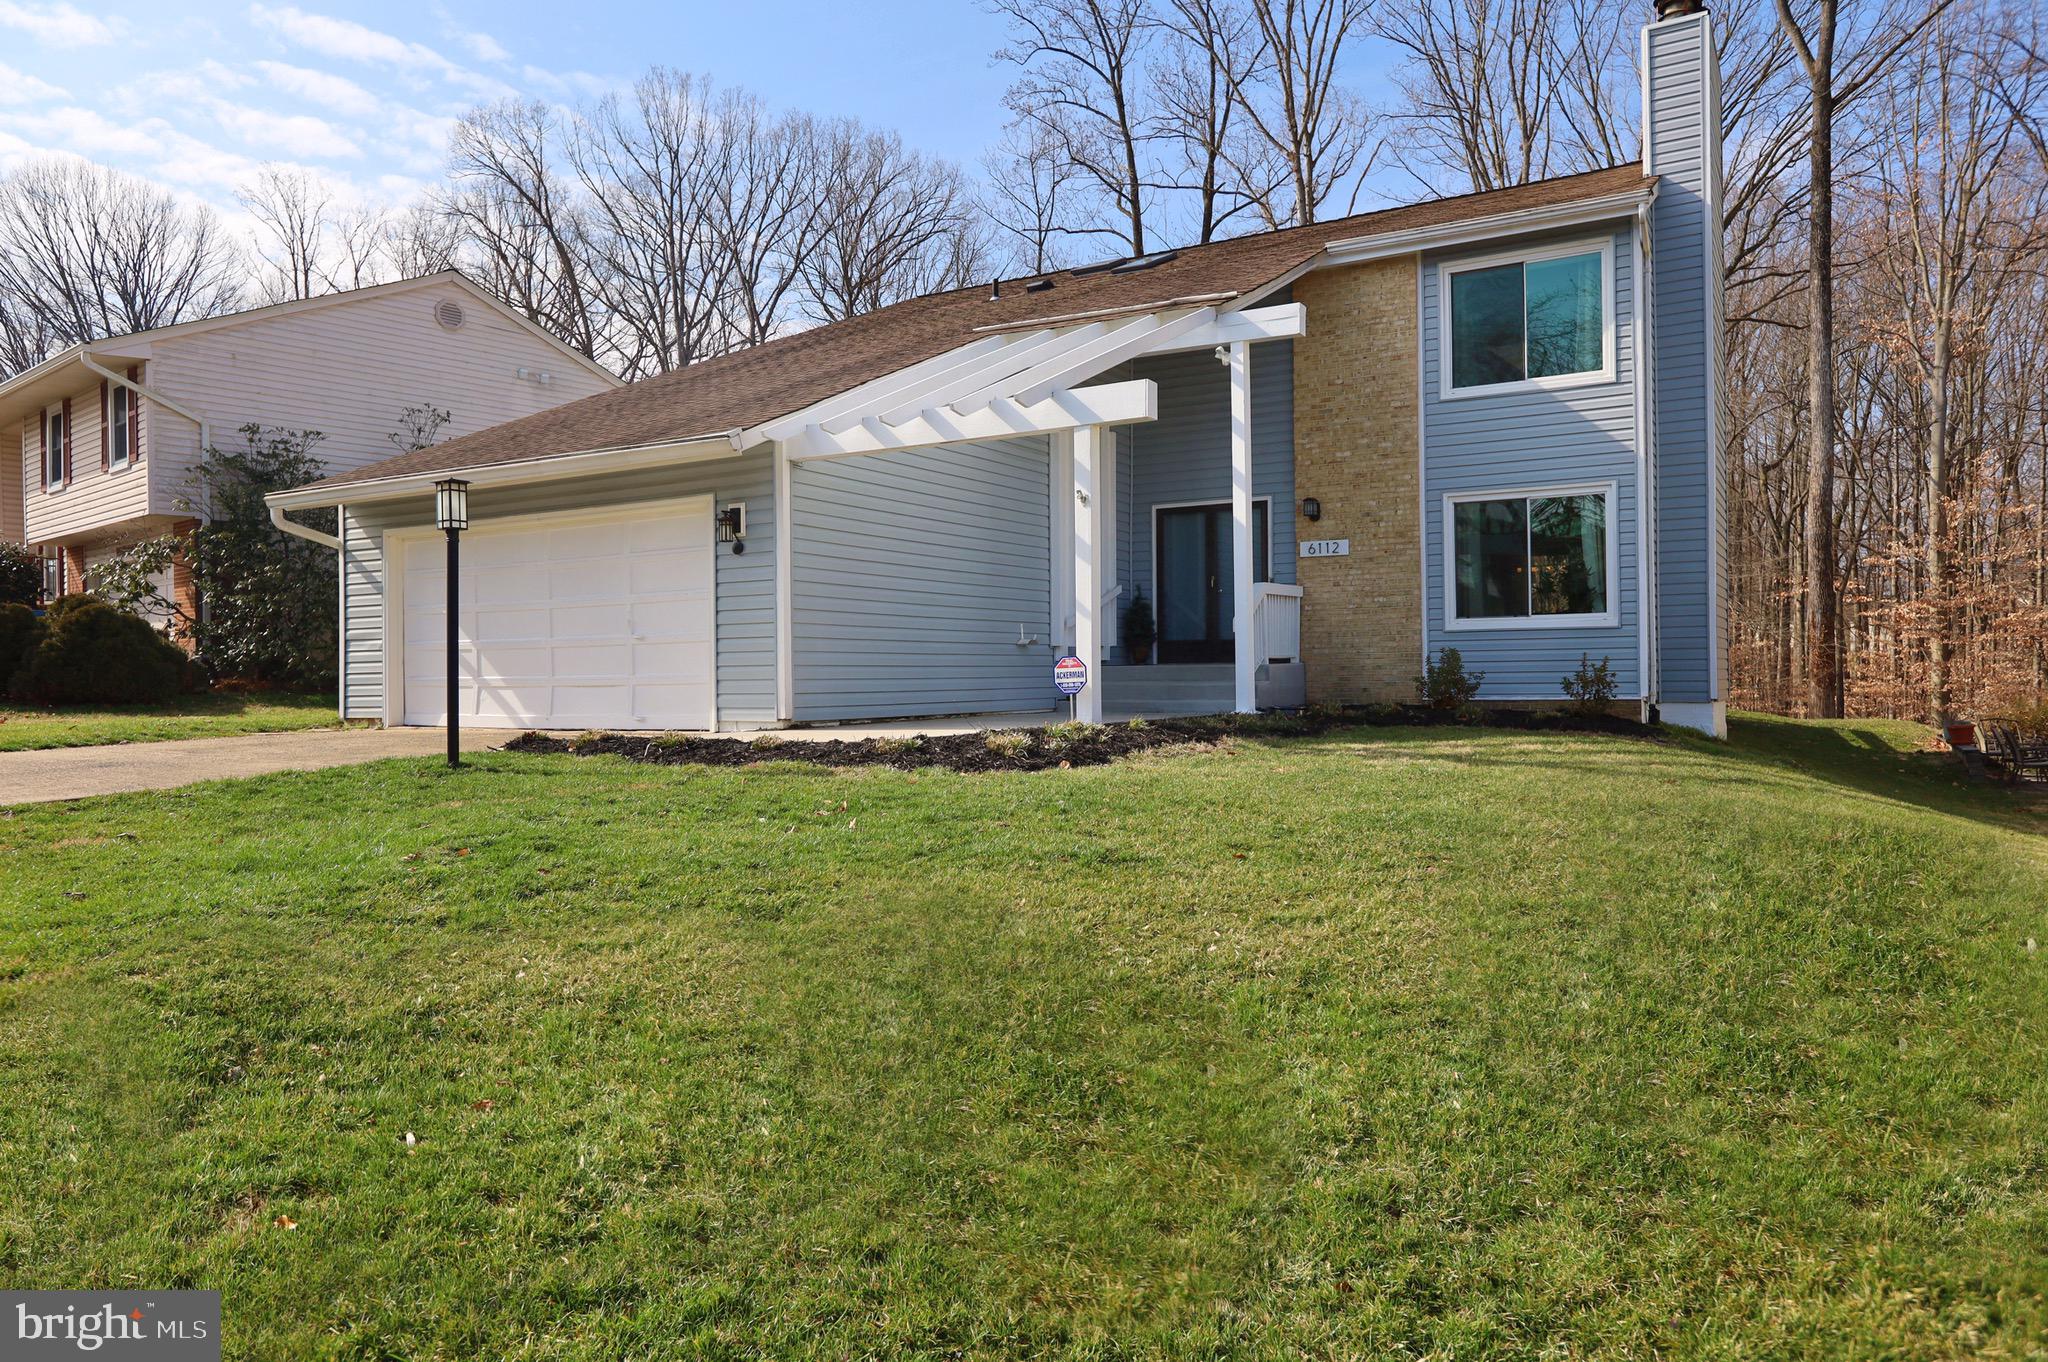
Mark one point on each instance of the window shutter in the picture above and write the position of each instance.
(134, 416)
(67, 442)
(106, 432)
(42, 459)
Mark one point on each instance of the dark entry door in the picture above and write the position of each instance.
(1194, 590)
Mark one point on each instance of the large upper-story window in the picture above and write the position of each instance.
(1531, 559)
(54, 435)
(1541, 319)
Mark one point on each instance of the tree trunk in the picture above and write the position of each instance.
(1823, 642)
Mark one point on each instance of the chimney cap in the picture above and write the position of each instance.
(1678, 9)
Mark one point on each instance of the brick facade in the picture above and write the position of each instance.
(1356, 451)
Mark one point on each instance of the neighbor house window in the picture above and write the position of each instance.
(53, 447)
(1531, 559)
(117, 427)
(1535, 320)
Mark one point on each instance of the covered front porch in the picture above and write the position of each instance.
(1170, 481)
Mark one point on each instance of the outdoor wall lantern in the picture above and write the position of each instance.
(1311, 509)
(732, 526)
(451, 517)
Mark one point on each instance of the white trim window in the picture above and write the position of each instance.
(116, 434)
(1544, 558)
(1530, 320)
(53, 448)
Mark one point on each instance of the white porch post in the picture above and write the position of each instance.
(785, 592)
(1241, 526)
(1088, 568)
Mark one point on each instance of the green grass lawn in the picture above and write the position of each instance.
(188, 716)
(1387, 1043)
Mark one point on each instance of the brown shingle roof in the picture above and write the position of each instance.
(767, 381)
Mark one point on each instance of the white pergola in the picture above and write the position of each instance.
(1029, 380)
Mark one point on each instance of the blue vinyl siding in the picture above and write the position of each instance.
(1534, 439)
(1184, 456)
(745, 585)
(915, 574)
(1685, 287)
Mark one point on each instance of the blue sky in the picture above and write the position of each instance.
(198, 96)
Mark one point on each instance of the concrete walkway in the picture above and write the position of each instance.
(82, 772)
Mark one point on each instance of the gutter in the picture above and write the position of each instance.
(1356, 250)
(150, 394)
(583, 463)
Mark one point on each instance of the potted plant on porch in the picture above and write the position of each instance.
(1139, 630)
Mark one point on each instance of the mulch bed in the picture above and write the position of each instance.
(1057, 746)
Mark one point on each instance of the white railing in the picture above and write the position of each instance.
(1276, 622)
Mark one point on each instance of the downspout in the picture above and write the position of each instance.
(1651, 623)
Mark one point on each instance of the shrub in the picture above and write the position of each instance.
(1591, 688)
(1008, 744)
(21, 631)
(270, 614)
(1140, 631)
(92, 653)
(1445, 684)
(21, 576)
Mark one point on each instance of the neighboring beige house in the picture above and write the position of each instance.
(111, 432)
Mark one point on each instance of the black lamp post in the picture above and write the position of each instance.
(451, 515)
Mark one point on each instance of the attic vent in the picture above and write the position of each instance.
(448, 312)
(1038, 286)
(1144, 262)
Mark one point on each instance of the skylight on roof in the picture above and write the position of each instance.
(1144, 262)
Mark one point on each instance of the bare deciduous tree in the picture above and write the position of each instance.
(514, 206)
(1315, 128)
(88, 252)
(1082, 84)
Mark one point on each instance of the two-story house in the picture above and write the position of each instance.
(110, 433)
(1323, 455)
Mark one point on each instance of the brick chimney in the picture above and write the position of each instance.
(1682, 148)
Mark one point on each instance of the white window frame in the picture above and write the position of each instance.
(54, 416)
(1604, 245)
(1607, 619)
(119, 393)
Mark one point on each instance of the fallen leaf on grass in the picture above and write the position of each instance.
(285, 1222)
(482, 1104)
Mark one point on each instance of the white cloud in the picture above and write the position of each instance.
(482, 46)
(352, 41)
(60, 25)
(18, 87)
(202, 83)
(299, 134)
(324, 88)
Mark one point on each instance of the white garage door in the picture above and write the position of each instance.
(570, 621)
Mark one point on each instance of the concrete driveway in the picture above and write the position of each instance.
(82, 772)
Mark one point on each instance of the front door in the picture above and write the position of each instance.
(1195, 603)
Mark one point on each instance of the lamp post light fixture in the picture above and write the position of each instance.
(451, 517)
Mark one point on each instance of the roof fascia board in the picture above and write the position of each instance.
(1357, 250)
(696, 449)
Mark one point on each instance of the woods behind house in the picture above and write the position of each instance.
(1887, 319)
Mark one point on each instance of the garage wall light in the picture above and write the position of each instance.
(732, 526)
